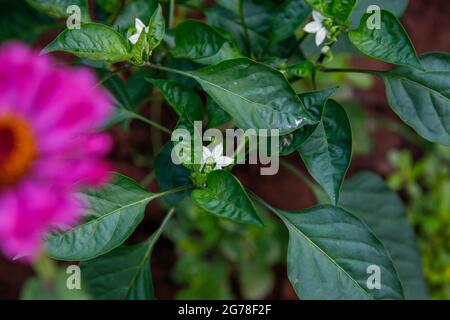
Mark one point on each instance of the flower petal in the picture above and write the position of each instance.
(224, 161)
(206, 154)
(139, 25)
(317, 16)
(320, 36)
(217, 152)
(313, 27)
(134, 38)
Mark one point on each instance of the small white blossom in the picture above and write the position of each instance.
(215, 157)
(140, 26)
(316, 26)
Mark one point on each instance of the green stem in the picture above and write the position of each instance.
(112, 73)
(45, 269)
(297, 45)
(148, 179)
(171, 13)
(163, 225)
(152, 123)
(315, 188)
(352, 70)
(172, 191)
(167, 69)
(244, 25)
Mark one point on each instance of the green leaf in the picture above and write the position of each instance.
(397, 7)
(421, 98)
(110, 6)
(327, 152)
(302, 69)
(314, 103)
(140, 51)
(339, 10)
(226, 198)
(141, 9)
(367, 196)
(255, 95)
(39, 289)
(389, 43)
(216, 115)
(257, 19)
(18, 21)
(169, 175)
(124, 273)
(329, 253)
(201, 43)
(183, 99)
(287, 18)
(156, 28)
(58, 8)
(116, 210)
(92, 41)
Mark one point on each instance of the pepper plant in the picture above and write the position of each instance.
(239, 68)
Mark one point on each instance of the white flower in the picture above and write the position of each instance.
(140, 26)
(317, 27)
(215, 157)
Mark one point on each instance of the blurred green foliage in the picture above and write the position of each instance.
(426, 184)
(214, 254)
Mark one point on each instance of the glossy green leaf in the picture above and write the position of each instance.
(139, 50)
(58, 8)
(226, 198)
(169, 175)
(19, 21)
(142, 9)
(156, 28)
(183, 99)
(201, 43)
(92, 41)
(367, 196)
(124, 273)
(287, 18)
(115, 211)
(389, 43)
(340, 10)
(327, 152)
(397, 7)
(329, 253)
(301, 69)
(257, 16)
(255, 95)
(314, 103)
(421, 98)
(216, 115)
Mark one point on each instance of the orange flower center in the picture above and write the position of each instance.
(17, 148)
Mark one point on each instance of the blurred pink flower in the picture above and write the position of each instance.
(49, 147)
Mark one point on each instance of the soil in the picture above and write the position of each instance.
(429, 27)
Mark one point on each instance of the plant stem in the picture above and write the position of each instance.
(246, 35)
(163, 225)
(167, 69)
(318, 192)
(297, 45)
(45, 269)
(112, 73)
(172, 191)
(171, 13)
(352, 70)
(152, 123)
(148, 179)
